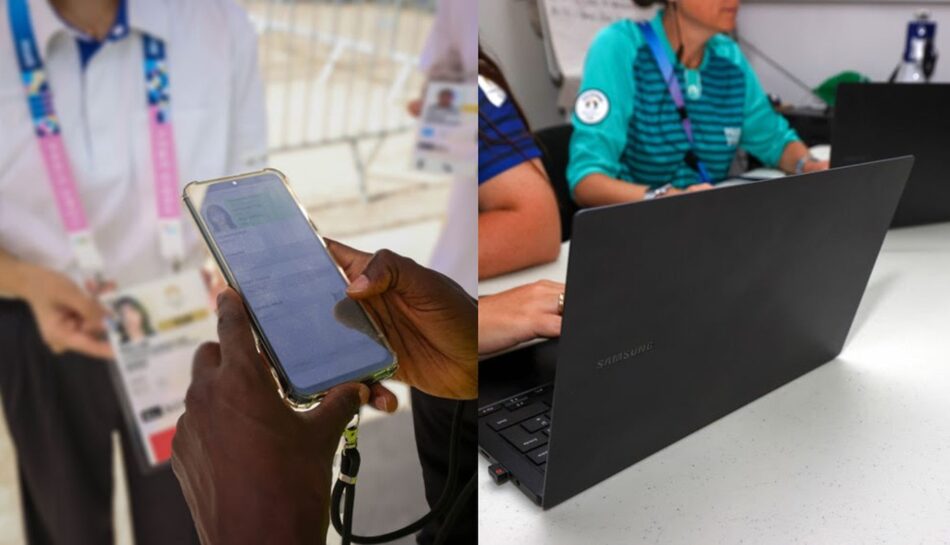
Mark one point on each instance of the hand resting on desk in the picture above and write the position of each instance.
(519, 315)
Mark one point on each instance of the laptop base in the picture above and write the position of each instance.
(517, 385)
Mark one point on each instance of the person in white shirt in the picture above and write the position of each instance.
(451, 54)
(60, 404)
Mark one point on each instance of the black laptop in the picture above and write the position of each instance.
(679, 311)
(880, 120)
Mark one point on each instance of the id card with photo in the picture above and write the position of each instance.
(155, 329)
(447, 127)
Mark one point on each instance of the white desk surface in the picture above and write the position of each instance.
(857, 451)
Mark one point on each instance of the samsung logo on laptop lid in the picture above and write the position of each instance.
(625, 355)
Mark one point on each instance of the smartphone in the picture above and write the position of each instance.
(268, 249)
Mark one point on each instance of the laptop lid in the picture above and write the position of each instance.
(680, 310)
(876, 121)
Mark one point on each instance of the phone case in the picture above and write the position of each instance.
(296, 401)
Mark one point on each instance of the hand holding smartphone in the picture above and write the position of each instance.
(314, 337)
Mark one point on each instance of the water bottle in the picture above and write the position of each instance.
(919, 54)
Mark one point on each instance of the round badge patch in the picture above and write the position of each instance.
(592, 107)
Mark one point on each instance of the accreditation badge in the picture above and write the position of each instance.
(446, 139)
(155, 329)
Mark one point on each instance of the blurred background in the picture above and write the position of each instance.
(826, 38)
(338, 77)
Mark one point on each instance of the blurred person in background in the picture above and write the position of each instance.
(80, 96)
(518, 221)
(630, 139)
(450, 54)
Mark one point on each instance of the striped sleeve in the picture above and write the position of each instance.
(603, 107)
(765, 132)
(504, 141)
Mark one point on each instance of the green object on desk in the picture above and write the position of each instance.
(828, 90)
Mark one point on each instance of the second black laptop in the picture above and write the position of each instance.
(879, 120)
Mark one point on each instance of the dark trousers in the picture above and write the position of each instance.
(432, 421)
(61, 411)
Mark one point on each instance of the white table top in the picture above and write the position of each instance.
(857, 451)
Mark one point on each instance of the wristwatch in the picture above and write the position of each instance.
(800, 165)
(657, 192)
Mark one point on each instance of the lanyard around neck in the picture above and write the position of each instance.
(59, 171)
(676, 93)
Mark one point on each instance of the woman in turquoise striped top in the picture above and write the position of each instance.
(629, 141)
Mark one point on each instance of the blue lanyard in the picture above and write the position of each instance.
(676, 93)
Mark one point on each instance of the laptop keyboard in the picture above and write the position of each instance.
(524, 421)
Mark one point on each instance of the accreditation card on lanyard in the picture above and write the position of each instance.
(448, 123)
(156, 326)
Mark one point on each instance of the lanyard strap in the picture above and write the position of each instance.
(676, 93)
(56, 161)
(164, 159)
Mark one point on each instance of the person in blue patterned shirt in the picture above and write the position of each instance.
(518, 223)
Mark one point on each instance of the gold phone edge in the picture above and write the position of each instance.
(308, 402)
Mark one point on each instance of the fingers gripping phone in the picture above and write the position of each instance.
(313, 335)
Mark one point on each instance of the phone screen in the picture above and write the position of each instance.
(319, 336)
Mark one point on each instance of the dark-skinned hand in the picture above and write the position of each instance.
(253, 470)
(429, 320)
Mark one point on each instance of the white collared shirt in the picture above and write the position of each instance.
(218, 116)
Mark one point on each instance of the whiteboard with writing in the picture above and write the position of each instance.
(570, 26)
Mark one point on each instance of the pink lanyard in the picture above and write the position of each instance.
(56, 161)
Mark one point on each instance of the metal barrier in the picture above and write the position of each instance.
(340, 71)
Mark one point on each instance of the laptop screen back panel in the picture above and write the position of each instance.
(679, 311)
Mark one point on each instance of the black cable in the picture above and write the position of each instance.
(349, 465)
(335, 498)
(454, 513)
(775, 64)
(679, 34)
(347, 536)
(346, 486)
